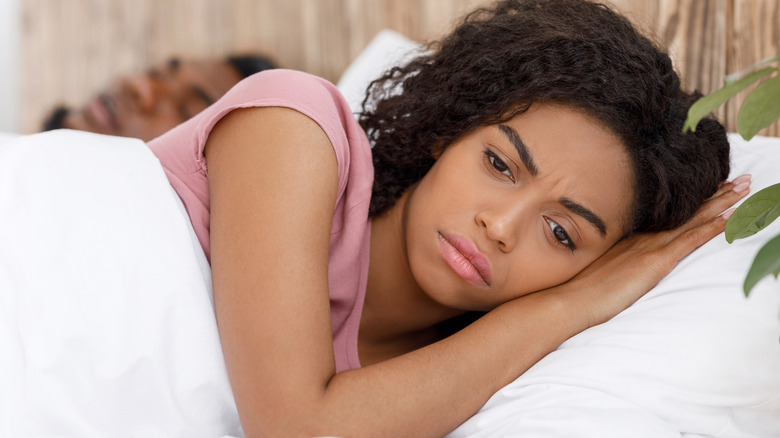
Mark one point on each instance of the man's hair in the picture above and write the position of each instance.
(247, 65)
(55, 119)
(501, 60)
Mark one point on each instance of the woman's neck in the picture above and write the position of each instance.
(398, 316)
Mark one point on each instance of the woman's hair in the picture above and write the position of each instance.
(502, 59)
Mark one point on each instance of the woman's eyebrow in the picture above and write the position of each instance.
(578, 209)
(517, 142)
(586, 214)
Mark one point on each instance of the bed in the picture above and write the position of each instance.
(107, 324)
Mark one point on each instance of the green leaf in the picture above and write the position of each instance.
(760, 109)
(752, 67)
(707, 104)
(758, 211)
(767, 262)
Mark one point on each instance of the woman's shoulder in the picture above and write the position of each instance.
(311, 95)
(315, 98)
(289, 86)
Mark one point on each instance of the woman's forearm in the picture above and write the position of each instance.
(432, 390)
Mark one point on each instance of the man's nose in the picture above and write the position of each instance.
(144, 91)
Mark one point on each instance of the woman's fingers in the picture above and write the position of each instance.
(726, 196)
(697, 236)
(742, 180)
(711, 218)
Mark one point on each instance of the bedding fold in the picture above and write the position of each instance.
(107, 323)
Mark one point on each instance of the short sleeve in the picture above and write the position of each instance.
(180, 150)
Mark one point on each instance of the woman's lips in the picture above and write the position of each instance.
(465, 259)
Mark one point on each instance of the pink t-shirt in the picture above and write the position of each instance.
(181, 153)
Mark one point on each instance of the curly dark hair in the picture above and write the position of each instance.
(502, 59)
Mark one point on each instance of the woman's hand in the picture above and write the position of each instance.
(636, 264)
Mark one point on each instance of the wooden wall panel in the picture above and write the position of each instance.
(643, 14)
(756, 36)
(695, 33)
(72, 49)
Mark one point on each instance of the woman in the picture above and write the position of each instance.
(517, 173)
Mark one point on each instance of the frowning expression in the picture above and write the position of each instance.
(518, 207)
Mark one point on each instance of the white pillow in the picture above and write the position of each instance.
(387, 49)
(694, 357)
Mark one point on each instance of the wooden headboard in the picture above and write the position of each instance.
(71, 49)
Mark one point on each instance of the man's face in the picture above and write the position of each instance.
(147, 105)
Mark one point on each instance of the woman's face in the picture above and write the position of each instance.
(518, 207)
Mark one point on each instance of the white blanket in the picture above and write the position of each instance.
(106, 320)
(107, 324)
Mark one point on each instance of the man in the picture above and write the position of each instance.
(150, 104)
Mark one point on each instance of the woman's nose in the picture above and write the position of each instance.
(502, 225)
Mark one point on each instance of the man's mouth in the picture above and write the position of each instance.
(103, 111)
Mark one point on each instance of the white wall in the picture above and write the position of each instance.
(10, 62)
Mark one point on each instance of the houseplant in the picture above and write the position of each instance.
(760, 109)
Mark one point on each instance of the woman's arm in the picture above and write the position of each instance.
(273, 176)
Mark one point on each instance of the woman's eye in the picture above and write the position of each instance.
(560, 234)
(499, 165)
